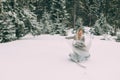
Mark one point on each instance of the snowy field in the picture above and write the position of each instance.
(45, 57)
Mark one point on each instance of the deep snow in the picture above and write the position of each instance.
(45, 57)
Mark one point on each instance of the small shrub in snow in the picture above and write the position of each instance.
(118, 36)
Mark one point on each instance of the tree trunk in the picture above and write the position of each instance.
(106, 9)
(12, 3)
(0, 6)
(89, 19)
(74, 14)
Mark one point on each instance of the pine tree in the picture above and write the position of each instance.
(47, 23)
(79, 23)
(101, 26)
(113, 15)
(59, 15)
(7, 28)
(14, 20)
(31, 22)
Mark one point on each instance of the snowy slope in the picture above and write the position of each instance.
(45, 57)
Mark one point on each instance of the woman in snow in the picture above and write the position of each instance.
(80, 51)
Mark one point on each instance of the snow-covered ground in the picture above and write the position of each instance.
(45, 57)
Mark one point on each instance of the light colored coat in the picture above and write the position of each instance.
(80, 49)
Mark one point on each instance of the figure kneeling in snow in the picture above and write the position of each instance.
(80, 49)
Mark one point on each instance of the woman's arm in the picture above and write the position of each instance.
(70, 37)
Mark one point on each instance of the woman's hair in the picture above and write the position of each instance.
(79, 29)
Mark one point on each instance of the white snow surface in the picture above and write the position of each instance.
(45, 57)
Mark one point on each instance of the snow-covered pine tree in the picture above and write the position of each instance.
(59, 16)
(101, 26)
(11, 25)
(20, 28)
(12, 22)
(114, 15)
(7, 28)
(31, 22)
(78, 23)
(47, 23)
